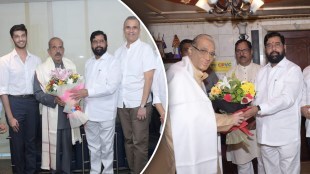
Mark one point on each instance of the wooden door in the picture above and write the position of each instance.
(298, 51)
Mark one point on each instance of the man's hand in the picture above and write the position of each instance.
(237, 118)
(305, 111)
(14, 124)
(141, 115)
(79, 94)
(251, 112)
(59, 101)
(3, 128)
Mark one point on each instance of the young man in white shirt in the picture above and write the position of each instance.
(22, 109)
(279, 92)
(102, 80)
(134, 101)
(3, 127)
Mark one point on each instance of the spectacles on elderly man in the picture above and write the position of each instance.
(205, 52)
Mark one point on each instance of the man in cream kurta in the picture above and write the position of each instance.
(102, 79)
(193, 121)
(279, 91)
(306, 102)
(242, 154)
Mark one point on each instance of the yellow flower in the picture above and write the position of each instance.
(248, 87)
(60, 82)
(215, 90)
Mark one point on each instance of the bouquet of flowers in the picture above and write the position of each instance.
(231, 95)
(61, 84)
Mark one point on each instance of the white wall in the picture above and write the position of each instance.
(226, 34)
(73, 21)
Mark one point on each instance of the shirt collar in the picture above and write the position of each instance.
(103, 57)
(14, 53)
(134, 44)
(280, 64)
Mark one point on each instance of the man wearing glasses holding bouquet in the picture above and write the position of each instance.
(277, 109)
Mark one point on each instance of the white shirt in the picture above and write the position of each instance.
(306, 96)
(246, 73)
(135, 60)
(159, 85)
(16, 76)
(102, 79)
(279, 92)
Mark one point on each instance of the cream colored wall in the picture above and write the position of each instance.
(226, 34)
(73, 21)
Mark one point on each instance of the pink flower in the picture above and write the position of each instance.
(61, 74)
(227, 97)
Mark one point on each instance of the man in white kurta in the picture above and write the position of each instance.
(306, 102)
(279, 90)
(102, 79)
(193, 121)
(242, 154)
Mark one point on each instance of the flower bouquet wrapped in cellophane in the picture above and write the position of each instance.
(229, 96)
(61, 84)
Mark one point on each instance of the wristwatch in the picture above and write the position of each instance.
(259, 110)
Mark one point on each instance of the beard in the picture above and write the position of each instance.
(20, 46)
(275, 57)
(99, 51)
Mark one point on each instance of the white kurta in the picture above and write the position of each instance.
(306, 96)
(279, 92)
(241, 153)
(193, 123)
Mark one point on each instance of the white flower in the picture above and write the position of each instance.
(55, 86)
(225, 83)
(70, 81)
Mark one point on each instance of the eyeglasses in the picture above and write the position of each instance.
(96, 42)
(205, 52)
(276, 45)
(242, 51)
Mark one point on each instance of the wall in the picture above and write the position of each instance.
(73, 21)
(226, 34)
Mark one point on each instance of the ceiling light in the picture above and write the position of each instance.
(239, 8)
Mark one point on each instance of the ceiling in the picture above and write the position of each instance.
(163, 11)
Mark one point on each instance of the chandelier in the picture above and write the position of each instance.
(238, 8)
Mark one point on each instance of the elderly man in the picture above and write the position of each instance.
(277, 109)
(138, 63)
(56, 129)
(21, 108)
(194, 124)
(102, 77)
(242, 154)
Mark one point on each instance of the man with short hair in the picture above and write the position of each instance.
(102, 80)
(138, 63)
(277, 109)
(21, 108)
(194, 125)
(242, 154)
(56, 129)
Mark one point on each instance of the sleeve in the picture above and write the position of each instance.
(43, 98)
(306, 89)
(4, 74)
(113, 80)
(292, 87)
(149, 59)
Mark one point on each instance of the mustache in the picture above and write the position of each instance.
(58, 54)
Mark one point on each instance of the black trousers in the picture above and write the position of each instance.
(23, 143)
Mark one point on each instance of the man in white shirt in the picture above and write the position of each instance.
(22, 110)
(305, 109)
(102, 79)
(134, 101)
(242, 154)
(194, 125)
(279, 91)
